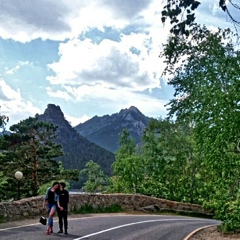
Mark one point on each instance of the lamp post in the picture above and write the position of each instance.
(18, 176)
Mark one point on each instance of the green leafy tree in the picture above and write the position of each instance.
(164, 165)
(127, 168)
(30, 148)
(128, 175)
(182, 14)
(126, 143)
(171, 162)
(43, 188)
(3, 122)
(96, 179)
(206, 82)
(3, 180)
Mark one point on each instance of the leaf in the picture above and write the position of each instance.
(195, 5)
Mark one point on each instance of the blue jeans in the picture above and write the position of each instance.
(49, 207)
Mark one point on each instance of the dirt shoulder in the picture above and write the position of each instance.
(211, 233)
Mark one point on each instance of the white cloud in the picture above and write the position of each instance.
(63, 19)
(109, 74)
(210, 14)
(109, 63)
(12, 70)
(104, 98)
(17, 67)
(7, 93)
(60, 19)
(58, 94)
(74, 121)
(27, 20)
(13, 105)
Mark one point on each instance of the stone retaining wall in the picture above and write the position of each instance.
(30, 207)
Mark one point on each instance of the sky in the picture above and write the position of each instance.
(89, 57)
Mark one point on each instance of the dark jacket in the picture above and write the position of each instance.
(51, 197)
(64, 198)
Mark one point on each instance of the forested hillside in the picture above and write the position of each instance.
(77, 149)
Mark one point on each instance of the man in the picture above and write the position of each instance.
(63, 211)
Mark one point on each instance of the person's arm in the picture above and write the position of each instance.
(45, 201)
(67, 196)
(58, 203)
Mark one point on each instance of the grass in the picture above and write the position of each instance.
(2, 219)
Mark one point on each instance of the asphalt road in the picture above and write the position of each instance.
(110, 227)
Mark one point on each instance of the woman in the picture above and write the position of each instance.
(51, 201)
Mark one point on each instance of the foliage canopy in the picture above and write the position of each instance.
(31, 149)
(182, 14)
(204, 69)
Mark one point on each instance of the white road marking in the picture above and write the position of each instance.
(29, 225)
(130, 224)
(33, 224)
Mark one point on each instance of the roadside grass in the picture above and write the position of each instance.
(2, 219)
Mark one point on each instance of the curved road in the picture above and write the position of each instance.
(111, 227)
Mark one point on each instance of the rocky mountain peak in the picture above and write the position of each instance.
(105, 131)
(53, 110)
(53, 113)
(132, 109)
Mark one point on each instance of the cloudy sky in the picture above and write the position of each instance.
(90, 57)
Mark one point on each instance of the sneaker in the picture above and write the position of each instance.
(66, 233)
(60, 231)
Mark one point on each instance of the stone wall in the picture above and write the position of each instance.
(30, 207)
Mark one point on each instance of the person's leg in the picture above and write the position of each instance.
(52, 223)
(65, 215)
(49, 206)
(50, 218)
(59, 212)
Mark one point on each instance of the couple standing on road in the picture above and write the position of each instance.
(56, 199)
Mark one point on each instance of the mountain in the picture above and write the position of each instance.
(77, 149)
(105, 131)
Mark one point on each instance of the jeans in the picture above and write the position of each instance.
(49, 207)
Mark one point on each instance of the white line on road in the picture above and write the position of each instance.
(130, 224)
(33, 224)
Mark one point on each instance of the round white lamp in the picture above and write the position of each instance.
(18, 176)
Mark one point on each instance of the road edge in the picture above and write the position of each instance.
(197, 230)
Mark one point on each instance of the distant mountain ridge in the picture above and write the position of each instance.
(105, 131)
(77, 149)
